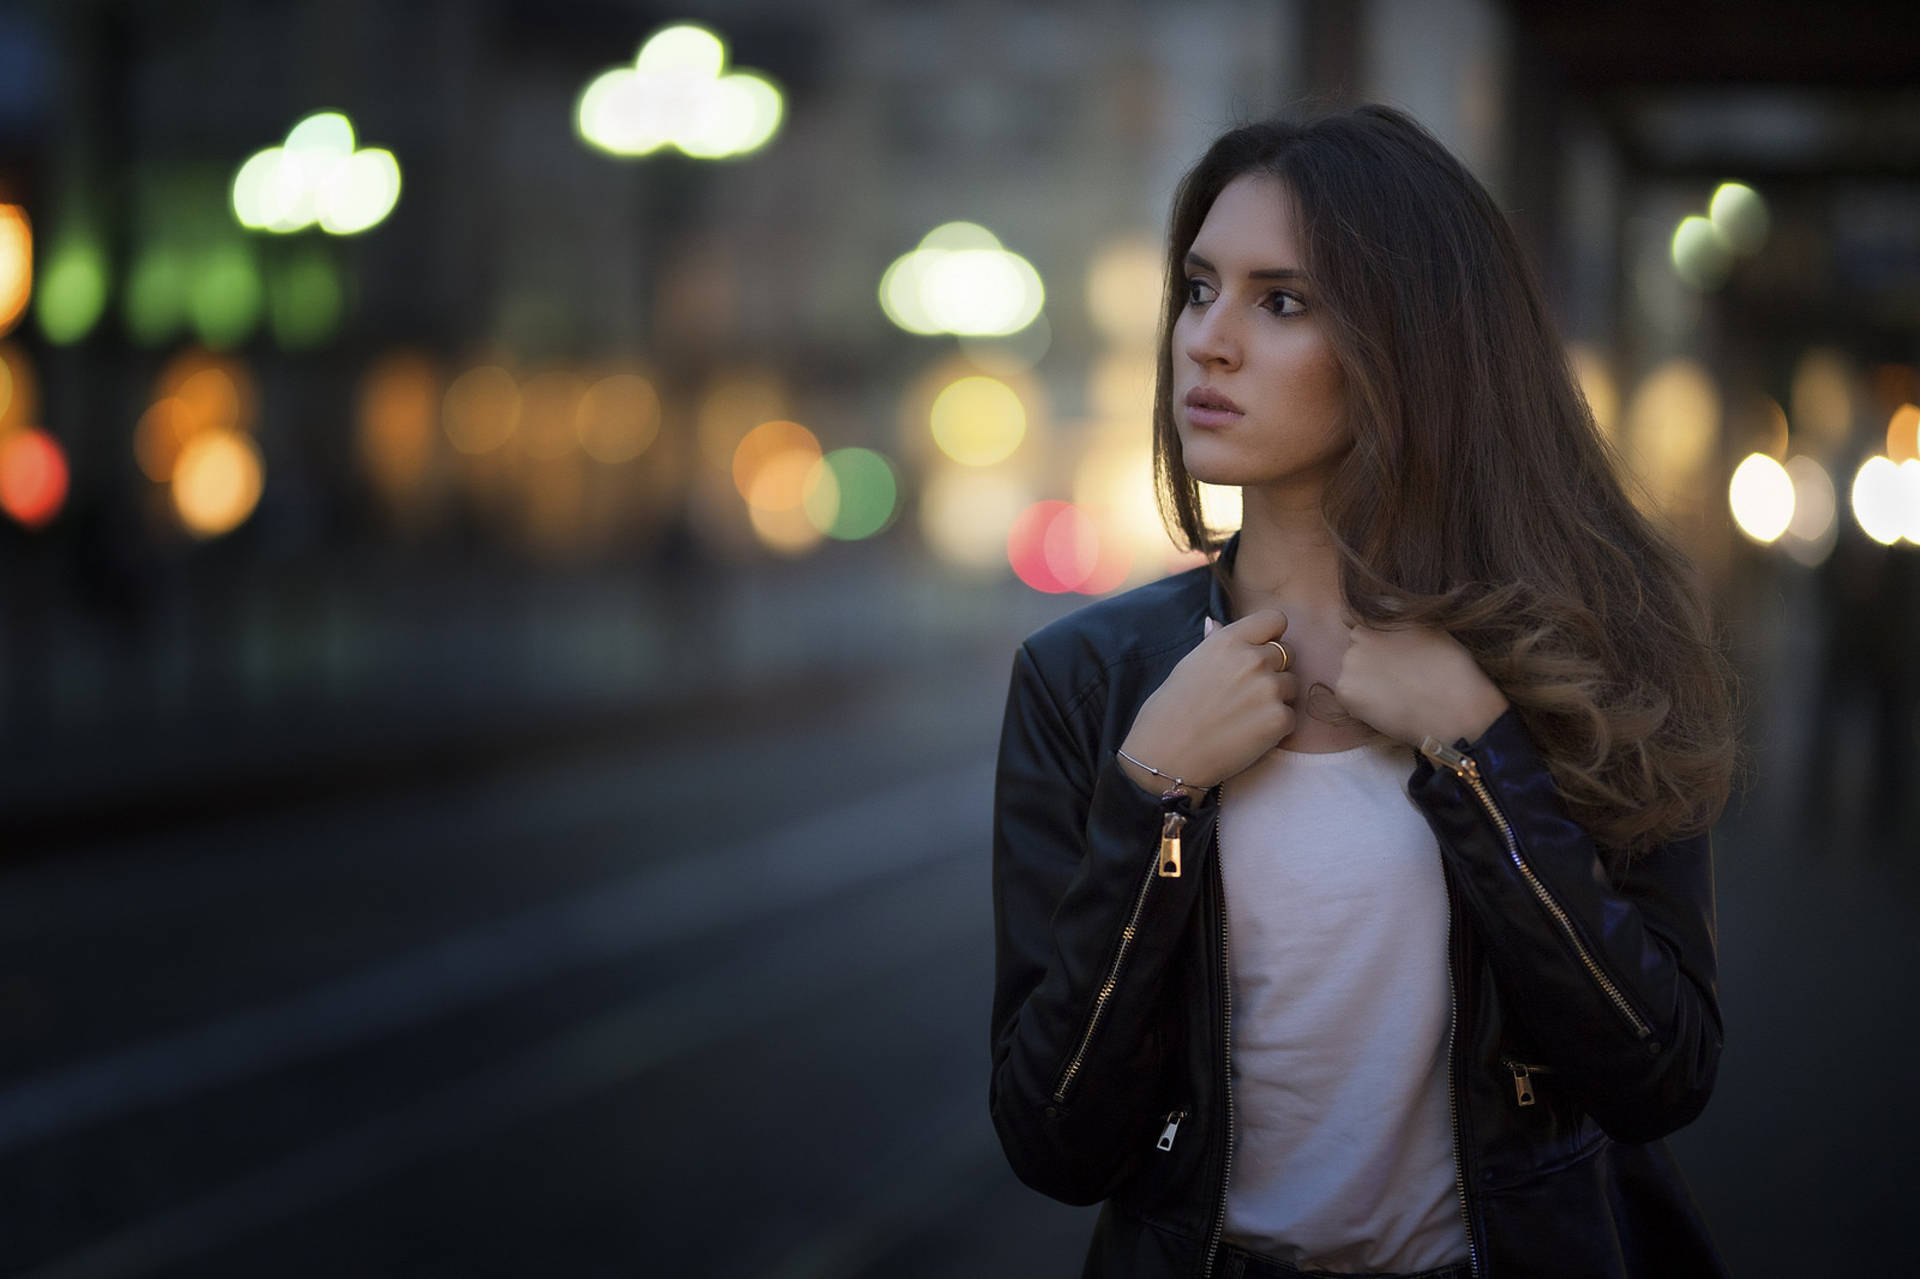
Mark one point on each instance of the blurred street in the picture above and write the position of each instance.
(710, 999)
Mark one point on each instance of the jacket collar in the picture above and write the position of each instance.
(1219, 604)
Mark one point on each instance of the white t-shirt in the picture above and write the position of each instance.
(1337, 939)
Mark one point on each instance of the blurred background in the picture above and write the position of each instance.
(517, 517)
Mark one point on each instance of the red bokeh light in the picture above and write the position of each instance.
(1056, 547)
(33, 477)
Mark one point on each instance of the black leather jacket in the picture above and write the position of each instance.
(1585, 1020)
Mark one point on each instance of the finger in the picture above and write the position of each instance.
(1260, 625)
(1209, 628)
(1286, 686)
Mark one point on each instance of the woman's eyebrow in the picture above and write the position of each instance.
(1195, 261)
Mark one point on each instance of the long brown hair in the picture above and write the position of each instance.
(1478, 496)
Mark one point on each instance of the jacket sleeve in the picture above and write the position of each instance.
(1084, 932)
(1611, 975)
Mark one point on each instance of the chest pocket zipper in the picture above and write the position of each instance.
(1523, 1073)
(1173, 1126)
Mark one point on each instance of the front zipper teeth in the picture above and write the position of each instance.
(1470, 774)
(1107, 987)
(1453, 1110)
(1226, 991)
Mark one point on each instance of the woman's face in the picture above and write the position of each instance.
(1258, 397)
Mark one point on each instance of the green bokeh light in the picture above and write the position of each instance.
(869, 493)
(73, 290)
(155, 304)
(305, 300)
(225, 296)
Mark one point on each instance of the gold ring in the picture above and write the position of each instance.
(1286, 657)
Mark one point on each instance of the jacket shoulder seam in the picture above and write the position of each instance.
(1097, 682)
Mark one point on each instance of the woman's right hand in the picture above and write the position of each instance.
(1224, 706)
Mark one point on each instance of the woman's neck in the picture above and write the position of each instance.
(1286, 559)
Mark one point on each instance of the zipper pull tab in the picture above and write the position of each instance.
(1173, 1126)
(1170, 826)
(1441, 753)
(1522, 1081)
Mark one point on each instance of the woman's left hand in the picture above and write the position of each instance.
(1415, 681)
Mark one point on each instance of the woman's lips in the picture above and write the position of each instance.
(1209, 408)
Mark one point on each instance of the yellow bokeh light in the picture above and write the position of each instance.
(16, 264)
(1672, 426)
(978, 421)
(619, 418)
(1821, 399)
(965, 516)
(216, 482)
(1124, 291)
(678, 93)
(1701, 253)
(1761, 497)
(481, 409)
(776, 443)
(1903, 433)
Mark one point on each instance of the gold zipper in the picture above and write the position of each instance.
(1523, 1073)
(1107, 987)
(1464, 767)
(1453, 1098)
(1226, 1035)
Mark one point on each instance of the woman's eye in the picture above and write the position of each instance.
(1198, 291)
(1285, 304)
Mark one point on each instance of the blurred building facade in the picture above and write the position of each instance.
(506, 451)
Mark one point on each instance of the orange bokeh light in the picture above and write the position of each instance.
(765, 443)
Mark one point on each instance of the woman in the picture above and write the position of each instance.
(1353, 891)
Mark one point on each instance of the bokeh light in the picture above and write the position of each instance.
(1221, 507)
(960, 280)
(225, 295)
(1761, 497)
(864, 493)
(619, 418)
(73, 290)
(678, 93)
(481, 409)
(732, 405)
(398, 405)
(16, 265)
(1124, 290)
(1812, 531)
(1672, 427)
(772, 463)
(305, 299)
(1903, 433)
(1702, 255)
(550, 412)
(216, 482)
(1880, 500)
(978, 421)
(1056, 547)
(1740, 215)
(1821, 398)
(19, 390)
(966, 514)
(317, 177)
(33, 476)
(154, 306)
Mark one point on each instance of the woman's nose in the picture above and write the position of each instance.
(1211, 340)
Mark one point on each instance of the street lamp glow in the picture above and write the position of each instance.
(317, 177)
(960, 280)
(679, 94)
(1761, 495)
